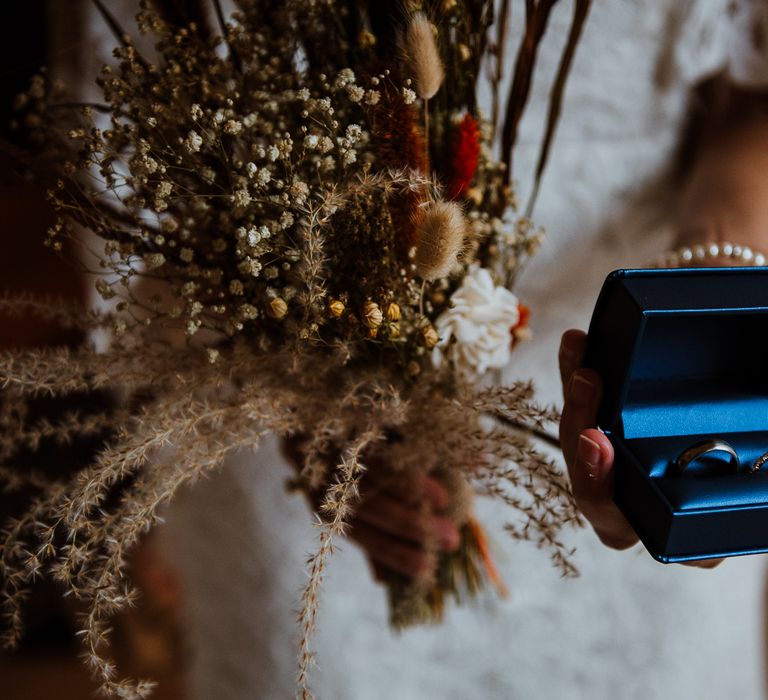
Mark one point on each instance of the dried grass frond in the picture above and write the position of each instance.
(58, 311)
(424, 57)
(336, 508)
(441, 232)
(81, 531)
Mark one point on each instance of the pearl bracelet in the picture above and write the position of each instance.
(702, 255)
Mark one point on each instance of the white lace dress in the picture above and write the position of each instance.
(628, 627)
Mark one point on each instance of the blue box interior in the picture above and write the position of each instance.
(683, 357)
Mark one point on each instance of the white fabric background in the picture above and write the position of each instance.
(629, 627)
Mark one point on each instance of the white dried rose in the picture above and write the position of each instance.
(475, 332)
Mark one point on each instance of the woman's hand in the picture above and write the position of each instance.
(588, 452)
(399, 521)
(395, 522)
(724, 185)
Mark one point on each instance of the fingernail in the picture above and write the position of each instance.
(589, 454)
(582, 391)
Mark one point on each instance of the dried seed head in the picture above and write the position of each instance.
(437, 298)
(278, 308)
(440, 233)
(421, 47)
(336, 308)
(372, 315)
(475, 195)
(365, 40)
(393, 312)
(430, 337)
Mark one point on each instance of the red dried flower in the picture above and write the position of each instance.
(465, 152)
(399, 139)
(400, 143)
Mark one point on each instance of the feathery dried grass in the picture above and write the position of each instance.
(441, 231)
(424, 57)
(80, 531)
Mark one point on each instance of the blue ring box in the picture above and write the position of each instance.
(684, 357)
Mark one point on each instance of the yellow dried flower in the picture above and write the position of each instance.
(438, 298)
(336, 308)
(393, 312)
(394, 331)
(522, 334)
(365, 39)
(475, 195)
(372, 315)
(278, 308)
(440, 233)
(421, 47)
(430, 337)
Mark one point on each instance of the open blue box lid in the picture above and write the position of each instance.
(682, 351)
(684, 356)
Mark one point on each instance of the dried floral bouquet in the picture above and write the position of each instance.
(303, 230)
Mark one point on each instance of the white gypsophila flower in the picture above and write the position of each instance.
(355, 93)
(475, 332)
(193, 142)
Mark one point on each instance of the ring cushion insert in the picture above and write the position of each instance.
(683, 356)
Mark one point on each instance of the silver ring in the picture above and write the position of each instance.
(693, 452)
(759, 462)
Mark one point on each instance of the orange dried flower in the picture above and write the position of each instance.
(525, 316)
(481, 542)
(465, 153)
(520, 330)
